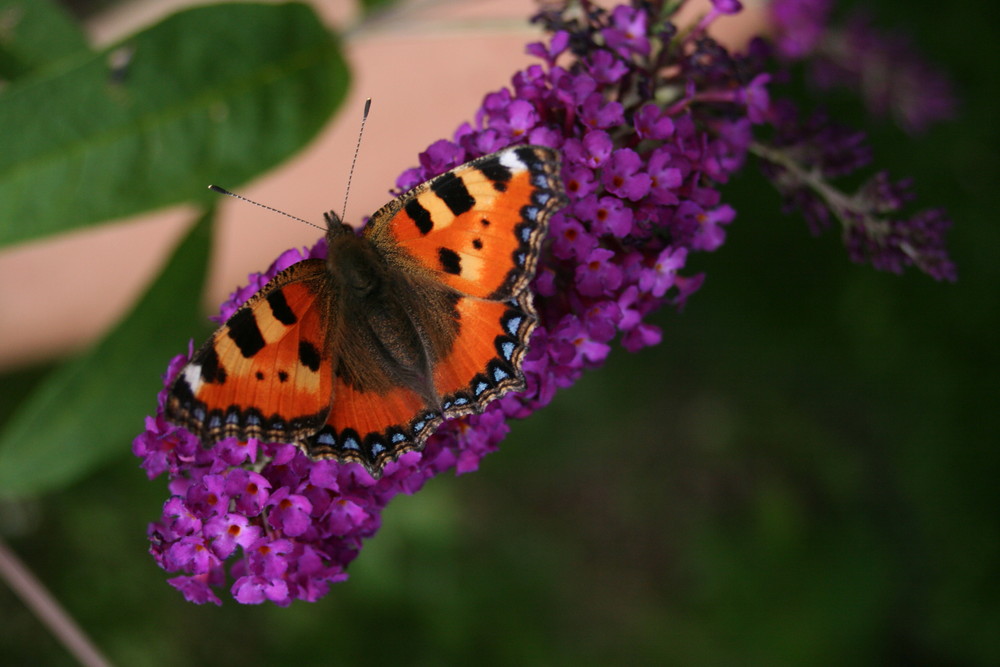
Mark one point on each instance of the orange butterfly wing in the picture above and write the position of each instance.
(473, 233)
(478, 227)
(267, 372)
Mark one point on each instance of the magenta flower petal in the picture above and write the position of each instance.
(623, 175)
(227, 532)
(197, 588)
(289, 512)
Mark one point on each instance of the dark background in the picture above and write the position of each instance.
(803, 472)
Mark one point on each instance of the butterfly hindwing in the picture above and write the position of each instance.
(371, 428)
(267, 372)
(486, 362)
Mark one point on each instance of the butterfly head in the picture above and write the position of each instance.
(351, 259)
(335, 227)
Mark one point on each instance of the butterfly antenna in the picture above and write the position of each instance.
(223, 191)
(350, 174)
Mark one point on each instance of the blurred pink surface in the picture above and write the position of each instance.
(426, 66)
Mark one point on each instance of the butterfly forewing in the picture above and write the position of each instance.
(477, 227)
(267, 372)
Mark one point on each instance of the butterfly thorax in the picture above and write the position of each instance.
(388, 345)
(355, 265)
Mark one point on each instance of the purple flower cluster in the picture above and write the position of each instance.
(803, 159)
(650, 122)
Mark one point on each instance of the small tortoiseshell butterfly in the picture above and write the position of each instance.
(424, 316)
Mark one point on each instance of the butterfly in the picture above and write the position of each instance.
(424, 316)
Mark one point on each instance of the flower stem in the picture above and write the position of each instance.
(837, 201)
(811, 177)
(47, 609)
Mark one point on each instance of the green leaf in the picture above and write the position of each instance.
(33, 34)
(216, 93)
(88, 410)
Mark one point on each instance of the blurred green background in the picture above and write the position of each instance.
(804, 472)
